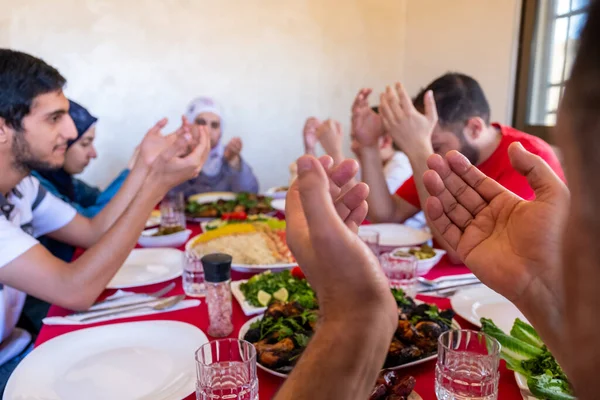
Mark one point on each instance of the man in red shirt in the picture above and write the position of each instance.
(452, 113)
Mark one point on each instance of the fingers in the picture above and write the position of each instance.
(361, 99)
(313, 187)
(158, 126)
(486, 187)
(430, 107)
(540, 176)
(405, 101)
(385, 111)
(457, 213)
(394, 103)
(452, 190)
(352, 206)
(441, 223)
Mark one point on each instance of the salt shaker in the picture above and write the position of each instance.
(217, 276)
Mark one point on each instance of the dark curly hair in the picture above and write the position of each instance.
(23, 78)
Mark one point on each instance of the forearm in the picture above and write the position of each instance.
(90, 273)
(102, 222)
(342, 360)
(382, 207)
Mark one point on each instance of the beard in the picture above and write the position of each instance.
(24, 160)
(468, 151)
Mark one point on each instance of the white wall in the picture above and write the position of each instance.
(476, 37)
(271, 63)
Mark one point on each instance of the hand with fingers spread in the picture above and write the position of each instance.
(356, 309)
(512, 245)
(309, 134)
(232, 152)
(410, 129)
(366, 124)
(330, 135)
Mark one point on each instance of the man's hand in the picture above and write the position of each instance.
(232, 152)
(321, 232)
(309, 134)
(512, 245)
(366, 124)
(330, 135)
(410, 129)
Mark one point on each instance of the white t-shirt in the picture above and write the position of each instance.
(397, 170)
(28, 212)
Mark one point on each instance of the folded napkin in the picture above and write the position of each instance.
(122, 298)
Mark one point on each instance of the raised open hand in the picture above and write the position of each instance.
(366, 124)
(309, 134)
(512, 245)
(321, 231)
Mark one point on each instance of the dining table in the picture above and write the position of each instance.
(269, 384)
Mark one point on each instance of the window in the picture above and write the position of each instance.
(548, 44)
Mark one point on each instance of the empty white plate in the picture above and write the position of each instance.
(149, 360)
(482, 302)
(397, 235)
(147, 267)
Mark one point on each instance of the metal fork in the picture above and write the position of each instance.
(160, 305)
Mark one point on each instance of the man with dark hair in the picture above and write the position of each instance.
(451, 113)
(34, 130)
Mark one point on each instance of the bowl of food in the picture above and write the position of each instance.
(164, 237)
(427, 257)
(278, 192)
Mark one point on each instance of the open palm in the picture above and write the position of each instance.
(506, 241)
(366, 124)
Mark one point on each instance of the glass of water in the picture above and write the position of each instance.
(401, 271)
(371, 238)
(467, 366)
(193, 275)
(226, 370)
(172, 210)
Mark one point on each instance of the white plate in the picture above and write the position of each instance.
(147, 267)
(173, 240)
(522, 383)
(246, 327)
(275, 194)
(424, 266)
(247, 308)
(149, 360)
(482, 302)
(211, 197)
(245, 267)
(397, 235)
(278, 204)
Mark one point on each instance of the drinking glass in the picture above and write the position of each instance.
(467, 366)
(401, 271)
(193, 275)
(371, 238)
(226, 370)
(172, 210)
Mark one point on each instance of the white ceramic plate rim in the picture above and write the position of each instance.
(175, 274)
(247, 308)
(211, 197)
(278, 204)
(246, 327)
(144, 326)
(414, 236)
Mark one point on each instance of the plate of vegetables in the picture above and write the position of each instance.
(208, 206)
(284, 330)
(537, 373)
(255, 294)
(427, 257)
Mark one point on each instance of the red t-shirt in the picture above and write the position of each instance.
(498, 167)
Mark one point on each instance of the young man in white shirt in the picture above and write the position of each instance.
(34, 130)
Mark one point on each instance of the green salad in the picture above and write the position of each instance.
(261, 289)
(525, 353)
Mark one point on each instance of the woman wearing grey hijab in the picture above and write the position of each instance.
(225, 170)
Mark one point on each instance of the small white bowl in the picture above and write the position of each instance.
(423, 266)
(274, 193)
(173, 240)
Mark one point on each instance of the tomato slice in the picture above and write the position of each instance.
(236, 215)
(297, 273)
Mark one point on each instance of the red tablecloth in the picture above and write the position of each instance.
(269, 384)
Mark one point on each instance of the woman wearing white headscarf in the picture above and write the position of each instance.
(225, 170)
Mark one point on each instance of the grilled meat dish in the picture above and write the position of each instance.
(391, 386)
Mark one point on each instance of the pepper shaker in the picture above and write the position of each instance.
(217, 277)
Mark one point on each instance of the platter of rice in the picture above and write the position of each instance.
(254, 246)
